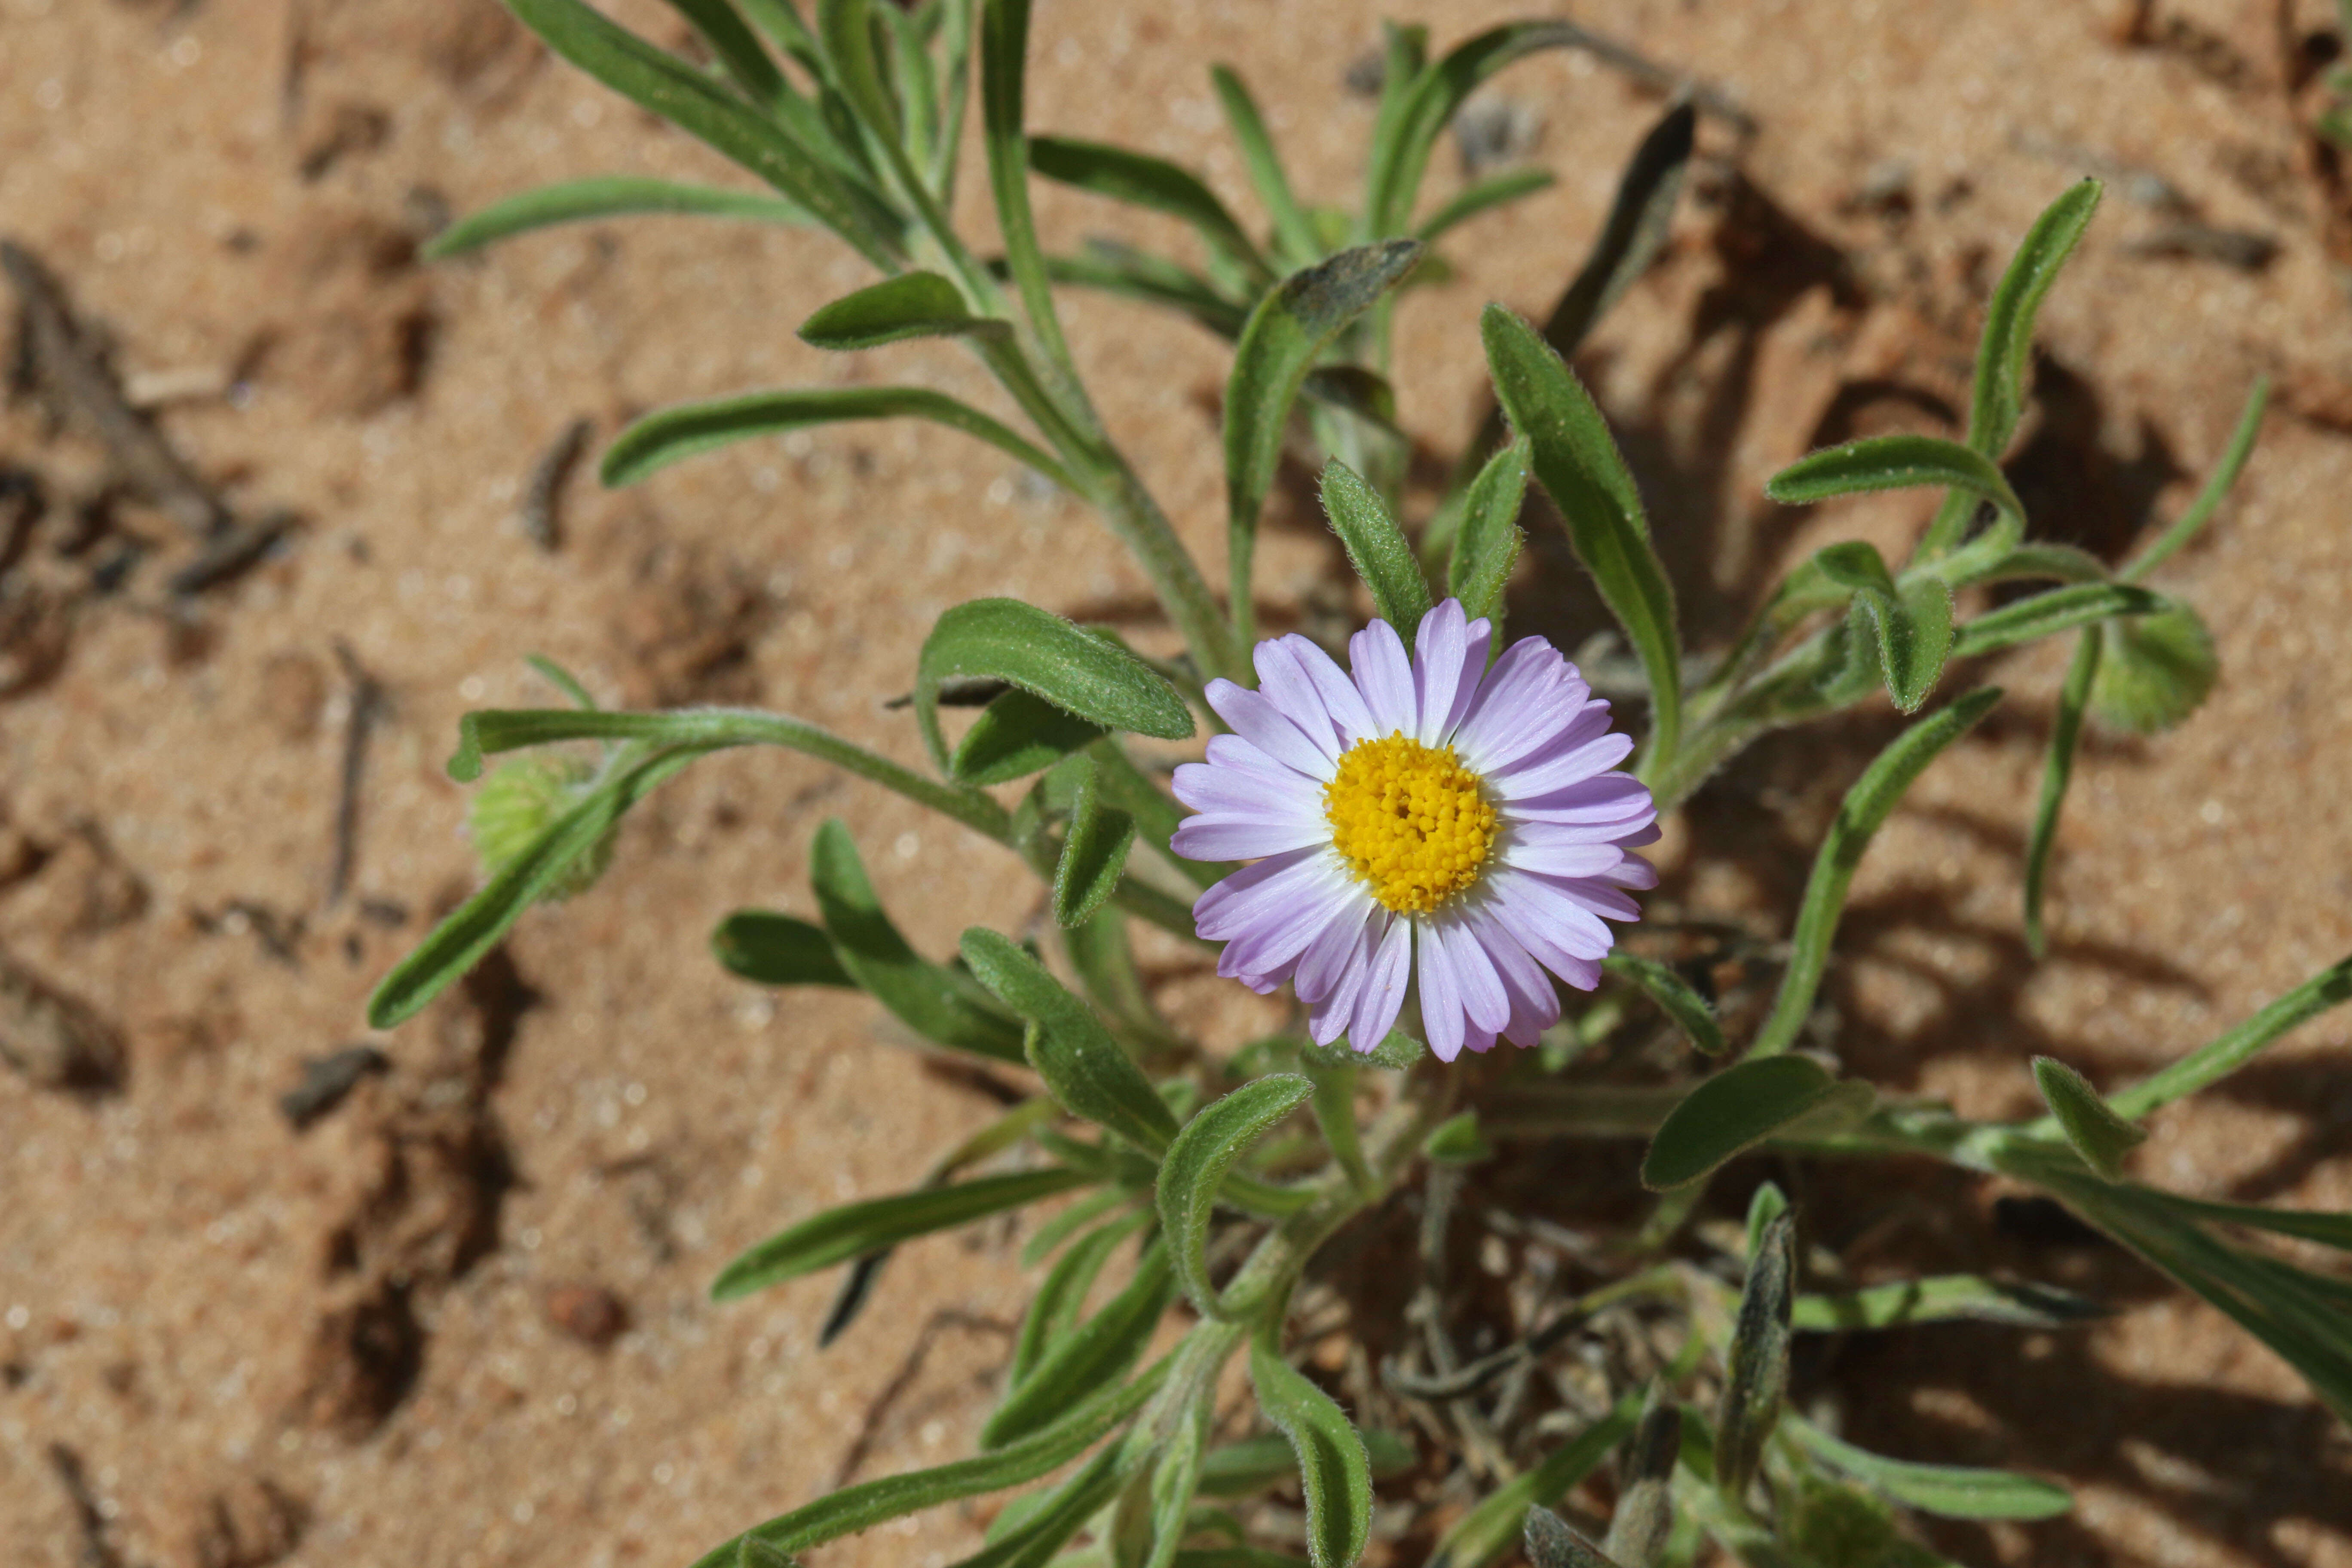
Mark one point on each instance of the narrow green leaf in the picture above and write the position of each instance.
(1644, 1516)
(1767, 1204)
(1095, 1353)
(1945, 1299)
(1196, 1164)
(2217, 1061)
(1376, 548)
(1912, 624)
(479, 923)
(1122, 269)
(1293, 231)
(1481, 1536)
(840, 1234)
(1733, 1110)
(1865, 808)
(1081, 1212)
(1484, 196)
(1954, 1492)
(2057, 772)
(1088, 677)
(1488, 545)
(1576, 462)
(1069, 1046)
(1003, 68)
(911, 305)
(1287, 331)
(562, 679)
(1673, 997)
(1157, 815)
(2153, 670)
(1143, 181)
(1061, 1299)
(2216, 490)
(2308, 1225)
(1094, 855)
(1456, 1140)
(677, 93)
(671, 435)
(1404, 137)
(932, 999)
(2097, 1133)
(869, 1503)
(1176, 1478)
(1892, 462)
(1030, 1537)
(1640, 217)
(1254, 1464)
(1015, 735)
(846, 29)
(1553, 1542)
(1756, 1367)
(2046, 614)
(737, 47)
(1334, 1472)
(2005, 354)
(605, 196)
(750, 1551)
(770, 949)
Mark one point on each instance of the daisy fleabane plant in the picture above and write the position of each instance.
(1419, 816)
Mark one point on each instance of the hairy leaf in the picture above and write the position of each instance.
(672, 435)
(1196, 1166)
(1731, 1111)
(1376, 549)
(1756, 1367)
(1017, 734)
(2153, 670)
(603, 196)
(1143, 181)
(2097, 1133)
(2057, 772)
(1954, 1492)
(911, 305)
(1095, 1354)
(1094, 855)
(1673, 997)
(1334, 1472)
(1944, 1298)
(840, 1234)
(1086, 676)
(1488, 545)
(1069, 1045)
(770, 949)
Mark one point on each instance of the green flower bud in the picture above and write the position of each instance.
(519, 801)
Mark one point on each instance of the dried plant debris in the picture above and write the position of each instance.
(586, 1313)
(327, 1080)
(542, 499)
(251, 1523)
(53, 1040)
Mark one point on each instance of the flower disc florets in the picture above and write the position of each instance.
(1420, 820)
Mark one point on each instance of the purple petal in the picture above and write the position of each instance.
(1525, 700)
(1294, 696)
(1273, 945)
(1323, 967)
(1617, 800)
(1558, 859)
(1632, 872)
(1381, 995)
(1483, 1000)
(1236, 901)
(1340, 697)
(1275, 793)
(1221, 837)
(1437, 650)
(1478, 1039)
(1257, 721)
(1558, 769)
(1384, 676)
(1553, 927)
(1596, 895)
(1441, 998)
(1535, 1006)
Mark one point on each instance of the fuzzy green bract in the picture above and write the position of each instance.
(1181, 1197)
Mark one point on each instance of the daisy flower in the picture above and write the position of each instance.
(1426, 816)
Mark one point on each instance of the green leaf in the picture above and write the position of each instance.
(770, 949)
(1082, 1213)
(683, 96)
(869, 1503)
(1122, 269)
(846, 29)
(1481, 1536)
(840, 1234)
(1502, 190)
(932, 999)
(1254, 1464)
(1953, 1492)
(1288, 329)
(1894, 462)
(672, 435)
(1086, 676)
(1553, 1542)
(1640, 217)
(1175, 1480)
(1914, 624)
(911, 305)
(1195, 1167)
(1767, 1204)
(737, 47)
(1731, 1111)
(1576, 462)
(1003, 67)
(2153, 670)
(1673, 997)
(1156, 816)
(1456, 1140)
(1644, 1516)
(1030, 1538)
(750, 1551)
(2216, 490)
(1334, 1472)
(2057, 771)
(1061, 1299)
(1865, 808)
(2097, 1133)
(562, 679)
(1376, 548)
(1069, 1046)
(1488, 546)
(2046, 614)
(605, 196)
(482, 922)
(1944, 1298)
(1093, 1355)
(1756, 1367)
(1292, 230)
(2217, 1061)
(1144, 181)
(1015, 735)
(1094, 855)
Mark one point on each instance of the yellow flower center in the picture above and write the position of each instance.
(1410, 820)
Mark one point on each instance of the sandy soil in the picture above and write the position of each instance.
(461, 1320)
